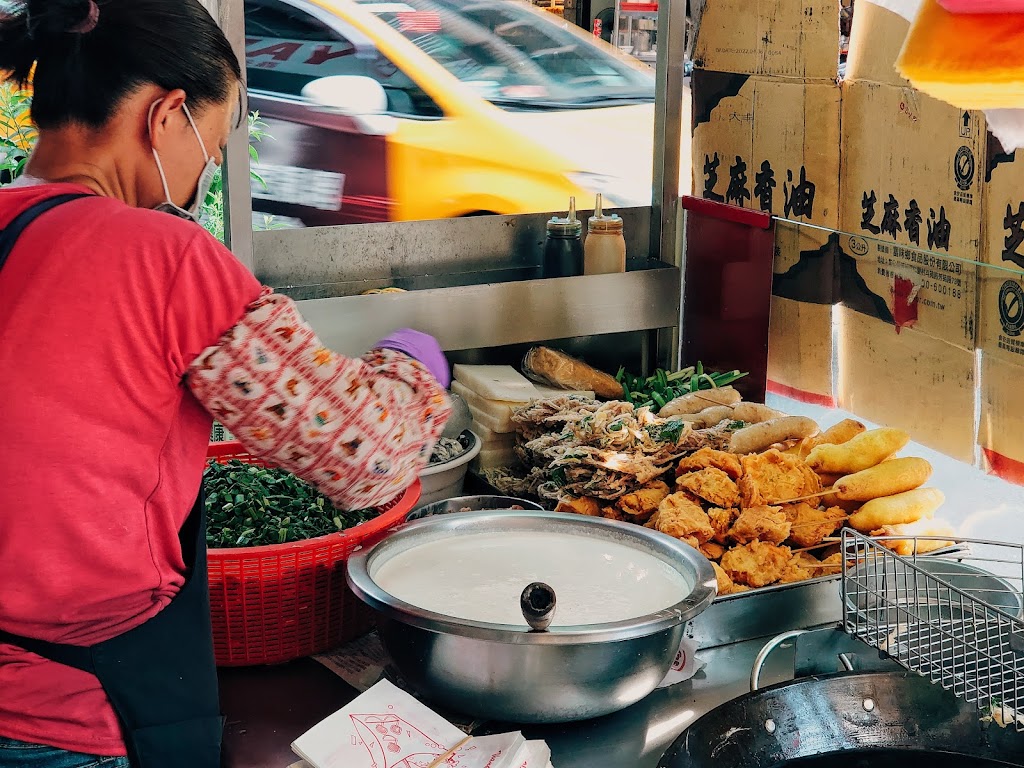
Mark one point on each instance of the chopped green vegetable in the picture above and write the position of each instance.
(662, 387)
(669, 432)
(248, 506)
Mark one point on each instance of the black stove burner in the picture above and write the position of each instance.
(891, 758)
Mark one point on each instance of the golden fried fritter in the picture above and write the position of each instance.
(832, 565)
(583, 505)
(638, 507)
(760, 524)
(680, 517)
(612, 513)
(738, 588)
(725, 584)
(756, 564)
(721, 521)
(771, 477)
(801, 567)
(709, 457)
(712, 551)
(810, 525)
(712, 485)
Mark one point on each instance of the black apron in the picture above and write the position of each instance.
(161, 677)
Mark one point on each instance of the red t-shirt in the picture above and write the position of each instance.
(102, 309)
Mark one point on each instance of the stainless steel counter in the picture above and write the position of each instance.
(637, 737)
(269, 707)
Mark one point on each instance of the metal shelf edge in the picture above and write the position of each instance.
(499, 314)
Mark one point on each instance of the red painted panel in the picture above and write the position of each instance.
(728, 290)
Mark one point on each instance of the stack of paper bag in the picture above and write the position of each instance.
(387, 728)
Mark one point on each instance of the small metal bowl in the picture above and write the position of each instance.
(471, 504)
(512, 674)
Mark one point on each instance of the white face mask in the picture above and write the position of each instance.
(205, 178)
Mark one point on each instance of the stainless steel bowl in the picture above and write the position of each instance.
(471, 504)
(507, 673)
(874, 591)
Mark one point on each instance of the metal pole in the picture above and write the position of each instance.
(230, 14)
(668, 132)
(668, 127)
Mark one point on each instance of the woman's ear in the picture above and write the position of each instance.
(162, 116)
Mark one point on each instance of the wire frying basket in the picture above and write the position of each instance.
(954, 615)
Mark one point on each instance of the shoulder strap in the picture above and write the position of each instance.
(77, 656)
(72, 656)
(10, 234)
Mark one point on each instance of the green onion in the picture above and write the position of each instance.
(252, 506)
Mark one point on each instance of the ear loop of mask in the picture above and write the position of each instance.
(209, 170)
(205, 178)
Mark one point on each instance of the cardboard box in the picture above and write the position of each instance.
(910, 381)
(800, 351)
(875, 43)
(767, 144)
(1001, 297)
(1001, 293)
(783, 38)
(912, 182)
(773, 145)
(1003, 228)
(800, 348)
(1000, 435)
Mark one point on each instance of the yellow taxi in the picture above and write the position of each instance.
(427, 109)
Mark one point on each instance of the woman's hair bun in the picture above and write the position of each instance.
(86, 56)
(52, 19)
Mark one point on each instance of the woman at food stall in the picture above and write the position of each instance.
(123, 327)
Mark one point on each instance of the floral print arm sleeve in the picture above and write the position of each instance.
(359, 430)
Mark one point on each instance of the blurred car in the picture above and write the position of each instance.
(426, 109)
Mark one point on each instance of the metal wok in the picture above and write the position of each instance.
(845, 720)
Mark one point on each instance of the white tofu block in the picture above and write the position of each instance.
(496, 382)
(495, 458)
(499, 409)
(501, 425)
(546, 393)
(491, 439)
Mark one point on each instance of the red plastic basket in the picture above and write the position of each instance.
(281, 602)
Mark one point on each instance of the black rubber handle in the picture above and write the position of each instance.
(538, 605)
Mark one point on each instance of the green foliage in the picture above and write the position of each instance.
(17, 134)
(18, 137)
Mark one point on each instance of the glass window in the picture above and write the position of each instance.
(514, 57)
(493, 106)
(286, 48)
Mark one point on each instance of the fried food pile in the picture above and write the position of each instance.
(761, 494)
(720, 505)
(769, 518)
(583, 448)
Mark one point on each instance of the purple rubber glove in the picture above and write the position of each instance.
(420, 347)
